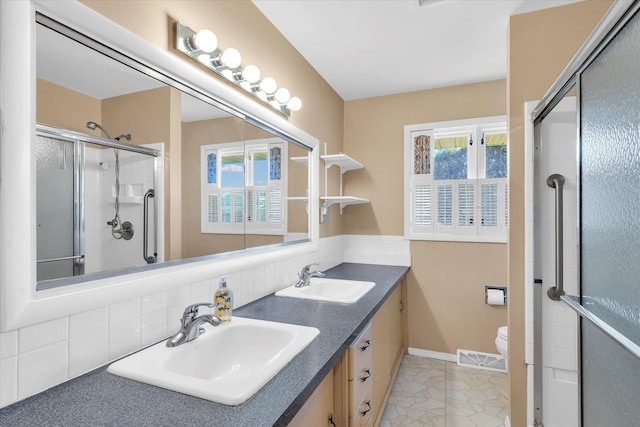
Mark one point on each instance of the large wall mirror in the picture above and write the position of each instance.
(105, 205)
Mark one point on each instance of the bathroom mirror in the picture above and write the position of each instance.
(251, 183)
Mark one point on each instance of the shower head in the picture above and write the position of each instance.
(94, 125)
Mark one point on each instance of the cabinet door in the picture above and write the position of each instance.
(316, 412)
(387, 347)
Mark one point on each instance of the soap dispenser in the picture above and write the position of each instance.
(223, 301)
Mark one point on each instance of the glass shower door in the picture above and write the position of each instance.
(610, 230)
(58, 208)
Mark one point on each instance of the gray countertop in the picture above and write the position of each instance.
(102, 399)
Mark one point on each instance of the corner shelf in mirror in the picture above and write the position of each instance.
(301, 199)
(343, 200)
(302, 159)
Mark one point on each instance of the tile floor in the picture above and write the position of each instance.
(430, 392)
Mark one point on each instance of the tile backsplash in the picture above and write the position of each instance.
(35, 358)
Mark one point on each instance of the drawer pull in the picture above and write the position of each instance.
(366, 376)
(366, 411)
(366, 346)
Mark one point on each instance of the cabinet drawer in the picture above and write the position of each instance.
(359, 351)
(359, 385)
(362, 413)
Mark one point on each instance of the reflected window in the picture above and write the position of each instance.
(249, 190)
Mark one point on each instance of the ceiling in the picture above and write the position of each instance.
(367, 48)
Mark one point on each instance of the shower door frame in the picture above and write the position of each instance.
(77, 255)
(615, 19)
(79, 141)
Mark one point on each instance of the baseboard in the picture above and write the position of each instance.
(433, 354)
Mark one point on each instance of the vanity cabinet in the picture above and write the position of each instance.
(318, 408)
(389, 346)
(363, 378)
(360, 378)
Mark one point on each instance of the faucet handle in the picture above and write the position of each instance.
(192, 310)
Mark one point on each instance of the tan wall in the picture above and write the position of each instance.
(64, 108)
(446, 284)
(241, 25)
(540, 45)
(195, 135)
(153, 116)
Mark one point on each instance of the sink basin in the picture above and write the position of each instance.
(226, 364)
(333, 290)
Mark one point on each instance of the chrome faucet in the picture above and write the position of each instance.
(306, 274)
(190, 324)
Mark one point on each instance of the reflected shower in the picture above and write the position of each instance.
(124, 231)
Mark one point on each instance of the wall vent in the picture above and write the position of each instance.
(478, 360)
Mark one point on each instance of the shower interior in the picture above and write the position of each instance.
(76, 196)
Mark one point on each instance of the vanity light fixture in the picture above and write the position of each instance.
(203, 47)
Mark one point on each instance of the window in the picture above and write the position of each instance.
(243, 187)
(456, 180)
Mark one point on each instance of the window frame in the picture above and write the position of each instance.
(428, 186)
(208, 190)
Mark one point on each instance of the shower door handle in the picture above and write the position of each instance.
(149, 259)
(556, 181)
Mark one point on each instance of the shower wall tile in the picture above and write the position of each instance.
(42, 334)
(43, 368)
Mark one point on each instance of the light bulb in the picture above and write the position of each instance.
(268, 85)
(205, 59)
(227, 74)
(263, 96)
(231, 58)
(294, 104)
(283, 95)
(206, 41)
(251, 73)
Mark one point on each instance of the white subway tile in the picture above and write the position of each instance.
(200, 292)
(259, 282)
(126, 310)
(124, 338)
(8, 381)
(8, 344)
(88, 322)
(152, 303)
(153, 327)
(88, 351)
(43, 334)
(41, 369)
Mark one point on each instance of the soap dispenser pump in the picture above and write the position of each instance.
(223, 301)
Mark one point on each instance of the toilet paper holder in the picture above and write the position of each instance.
(502, 289)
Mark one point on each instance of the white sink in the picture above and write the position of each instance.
(226, 364)
(333, 290)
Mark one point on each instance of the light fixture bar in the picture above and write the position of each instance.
(202, 46)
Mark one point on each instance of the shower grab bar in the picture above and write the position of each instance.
(556, 181)
(574, 302)
(64, 258)
(151, 259)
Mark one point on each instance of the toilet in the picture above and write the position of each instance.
(502, 340)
